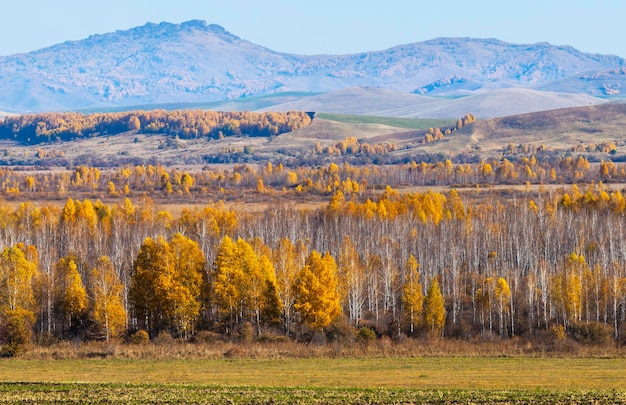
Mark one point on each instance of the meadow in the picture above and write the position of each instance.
(316, 380)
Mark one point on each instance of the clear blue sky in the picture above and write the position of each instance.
(324, 26)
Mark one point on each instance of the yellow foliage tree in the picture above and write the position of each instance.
(317, 298)
(502, 294)
(108, 309)
(16, 298)
(434, 309)
(71, 296)
(166, 287)
(412, 295)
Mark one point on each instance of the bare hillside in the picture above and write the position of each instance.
(387, 103)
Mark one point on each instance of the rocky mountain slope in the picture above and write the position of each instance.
(195, 62)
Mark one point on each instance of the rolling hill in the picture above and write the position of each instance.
(559, 132)
(388, 103)
(203, 64)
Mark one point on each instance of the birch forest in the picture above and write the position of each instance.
(406, 251)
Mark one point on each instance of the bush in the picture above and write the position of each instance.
(366, 336)
(244, 333)
(591, 333)
(163, 338)
(557, 333)
(141, 337)
(16, 332)
(205, 336)
(340, 331)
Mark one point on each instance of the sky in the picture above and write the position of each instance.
(325, 26)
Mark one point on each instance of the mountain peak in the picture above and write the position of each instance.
(166, 28)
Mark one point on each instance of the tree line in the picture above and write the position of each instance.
(402, 264)
(186, 124)
(278, 179)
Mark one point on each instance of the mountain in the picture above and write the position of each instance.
(195, 62)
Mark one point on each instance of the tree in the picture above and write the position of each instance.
(244, 284)
(287, 260)
(412, 296)
(71, 296)
(317, 298)
(434, 309)
(227, 281)
(107, 289)
(16, 298)
(352, 280)
(166, 287)
(502, 295)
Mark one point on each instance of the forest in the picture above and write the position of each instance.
(186, 124)
(149, 251)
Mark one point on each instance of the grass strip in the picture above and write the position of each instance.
(408, 123)
(389, 373)
(81, 393)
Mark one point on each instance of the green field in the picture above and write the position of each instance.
(408, 123)
(352, 380)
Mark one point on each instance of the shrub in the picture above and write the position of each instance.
(205, 336)
(163, 338)
(340, 331)
(16, 332)
(141, 337)
(366, 335)
(557, 333)
(591, 333)
(244, 333)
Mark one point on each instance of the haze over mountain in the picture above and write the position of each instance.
(195, 62)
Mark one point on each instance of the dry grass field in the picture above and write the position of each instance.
(559, 130)
(366, 372)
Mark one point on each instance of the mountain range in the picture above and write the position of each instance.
(195, 64)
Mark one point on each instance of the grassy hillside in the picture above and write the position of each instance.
(408, 123)
(559, 132)
(561, 129)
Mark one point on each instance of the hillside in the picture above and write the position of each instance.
(196, 62)
(594, 131)
(388, 103)
(560, 128)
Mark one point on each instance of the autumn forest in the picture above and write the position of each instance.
(336, 252)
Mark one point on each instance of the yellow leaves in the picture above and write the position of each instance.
(434, 309)
(336, 201)
(71, 293)
(167, 283)
(502, 292)
(412, 295)
(244, 283)
(317, 298)
(260, 187)
(108, 309)
(16, 275)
